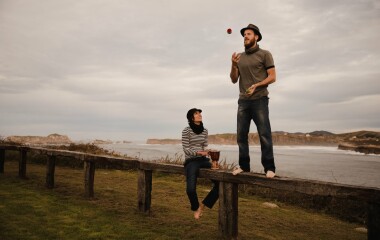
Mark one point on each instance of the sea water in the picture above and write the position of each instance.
(328, 164)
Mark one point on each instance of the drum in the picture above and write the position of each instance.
(214, 154)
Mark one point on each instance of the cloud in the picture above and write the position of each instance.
(131, 70)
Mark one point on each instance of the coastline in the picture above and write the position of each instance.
(366, 149)
(366, 142)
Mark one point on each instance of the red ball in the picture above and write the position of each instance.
(229, 31)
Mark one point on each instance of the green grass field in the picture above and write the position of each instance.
(30, 211)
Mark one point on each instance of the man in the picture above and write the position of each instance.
(254, 70)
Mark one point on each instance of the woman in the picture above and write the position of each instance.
(194, 142)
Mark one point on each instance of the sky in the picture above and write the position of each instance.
(130, 70)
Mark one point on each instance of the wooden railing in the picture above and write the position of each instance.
(228, 188)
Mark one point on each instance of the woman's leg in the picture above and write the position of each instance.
(212, 196)
(192, 170)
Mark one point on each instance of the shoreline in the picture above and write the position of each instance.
(366, 149)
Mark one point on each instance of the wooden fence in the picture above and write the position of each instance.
(228, 188)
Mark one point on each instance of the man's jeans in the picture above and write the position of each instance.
(192, 167)
(256, 110)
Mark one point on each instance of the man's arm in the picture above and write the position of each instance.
(270, 79)
(234, 75)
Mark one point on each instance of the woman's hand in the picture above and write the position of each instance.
(202, 153)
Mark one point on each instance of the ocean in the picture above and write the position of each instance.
(321, 163)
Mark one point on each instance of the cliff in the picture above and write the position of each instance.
(39, 140)
(362, 141)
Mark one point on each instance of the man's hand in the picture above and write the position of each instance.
(234, 75)
(235, 59)
(250, 90)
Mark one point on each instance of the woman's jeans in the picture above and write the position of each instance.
(256, 110)
(192, 167)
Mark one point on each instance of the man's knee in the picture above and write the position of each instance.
(242, 138)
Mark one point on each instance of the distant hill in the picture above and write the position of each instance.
(54, 139)
(321, 133)
(361, 141)
(279, 138)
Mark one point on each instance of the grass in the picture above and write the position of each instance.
(30, 211)
(179, 160)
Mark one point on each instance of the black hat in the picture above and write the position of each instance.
(190, 113)
(255, 29)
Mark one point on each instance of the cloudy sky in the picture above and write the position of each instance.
(130, 70)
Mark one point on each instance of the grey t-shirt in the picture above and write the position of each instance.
(253, 69)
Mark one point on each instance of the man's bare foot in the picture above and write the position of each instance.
(237, 170)
(270, 174)
(198, 213)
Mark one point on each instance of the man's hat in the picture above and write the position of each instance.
(190, 114)
(255, 29)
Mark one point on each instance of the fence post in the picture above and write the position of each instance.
(373, 223)
(228, 210)
(89, 176)
(50, 170)
(2, 159)
(144, 190)
(22, 164)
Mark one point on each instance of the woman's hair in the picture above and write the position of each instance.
(190, 114)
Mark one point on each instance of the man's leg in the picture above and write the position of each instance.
(243, 124)
(261, 119)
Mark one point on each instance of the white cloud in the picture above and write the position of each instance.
(131, 70)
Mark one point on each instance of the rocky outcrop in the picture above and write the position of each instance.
(39, 140)
(367, 149)
(99, 141)
(363, 141)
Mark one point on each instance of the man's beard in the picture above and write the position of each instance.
(250, 44)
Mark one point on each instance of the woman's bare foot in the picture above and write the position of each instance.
(198, 213)
(270, 174)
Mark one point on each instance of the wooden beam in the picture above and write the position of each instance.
(115, 162)
(144, 190)
(373, 223)
(89, 176)
(309, 187)
(22, 163)
(228, 210)
(162, 167)
(50, 170)
(2, 159)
